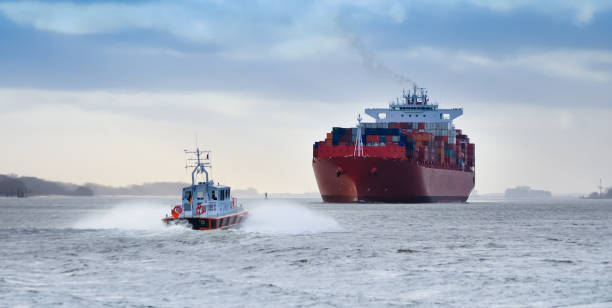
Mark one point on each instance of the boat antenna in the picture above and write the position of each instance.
(198, 163)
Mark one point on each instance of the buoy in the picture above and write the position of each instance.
(200, 209)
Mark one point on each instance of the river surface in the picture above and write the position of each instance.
(114, 252)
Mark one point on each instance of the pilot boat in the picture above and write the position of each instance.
(206, 206)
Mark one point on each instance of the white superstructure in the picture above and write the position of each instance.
(414, 107)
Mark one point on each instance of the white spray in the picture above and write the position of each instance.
(285, 217)
(129, 215)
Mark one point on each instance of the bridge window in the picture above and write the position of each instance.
(382, 115)
(445, 116)
(214, 195)
(200, 195)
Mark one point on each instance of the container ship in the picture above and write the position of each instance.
(412, 153)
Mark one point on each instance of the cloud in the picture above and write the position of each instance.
(585, 14)
(315, 50)
(574, 64)
(588, 65)
(583, 11)
(203, 21)
(93, 18)
(168, 106)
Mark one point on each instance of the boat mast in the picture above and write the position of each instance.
(198, 164)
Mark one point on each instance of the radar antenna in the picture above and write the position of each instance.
(198, 163)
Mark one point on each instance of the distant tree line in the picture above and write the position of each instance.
(14, 186)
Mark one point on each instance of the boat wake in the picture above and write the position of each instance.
(129, 216)
(284, 217)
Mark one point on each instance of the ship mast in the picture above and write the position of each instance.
(600, 188)
(358, 152)
(198, 164)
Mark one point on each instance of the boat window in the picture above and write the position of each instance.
(187, 195)
(214, 195)
(222, 195)
(233, 220)
(200, 195)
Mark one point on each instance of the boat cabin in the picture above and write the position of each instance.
(207, 200)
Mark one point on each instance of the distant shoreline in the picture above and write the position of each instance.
(25, 186)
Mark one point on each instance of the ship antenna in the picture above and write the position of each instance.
(358, 152)
(600, 188)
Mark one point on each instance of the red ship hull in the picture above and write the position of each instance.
(375, 179)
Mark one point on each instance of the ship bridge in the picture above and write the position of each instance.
(414, 107)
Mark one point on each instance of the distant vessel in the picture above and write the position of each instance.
(412, 153)
(206, 206)
(526, 192)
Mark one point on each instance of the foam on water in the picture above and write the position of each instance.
(130, 215)
(284, 217)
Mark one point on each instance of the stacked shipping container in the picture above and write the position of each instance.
(437, 143)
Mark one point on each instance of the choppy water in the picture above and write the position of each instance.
(114, 252)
